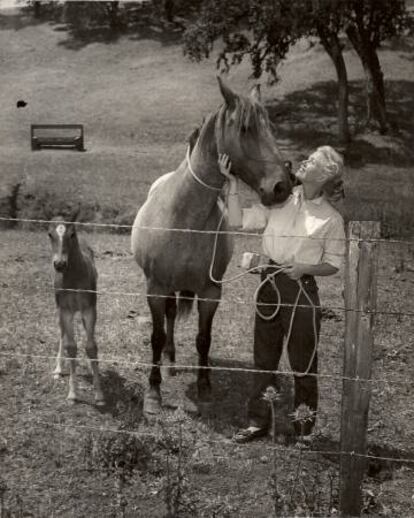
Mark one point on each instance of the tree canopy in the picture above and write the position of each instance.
(264, 30)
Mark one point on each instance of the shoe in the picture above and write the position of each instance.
(249, 434)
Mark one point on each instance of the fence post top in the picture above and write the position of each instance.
(364, 230)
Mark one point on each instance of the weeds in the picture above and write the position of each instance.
(121, 455)
(303, 493)
(179, 500)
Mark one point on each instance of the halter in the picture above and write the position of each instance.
(199, 180)
(217, 132)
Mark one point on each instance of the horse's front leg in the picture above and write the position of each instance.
(170, 313)
(89, 322)
(152, 399)
(206, 312)
(66, 318)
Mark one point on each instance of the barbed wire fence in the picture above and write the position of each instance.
(352, 458)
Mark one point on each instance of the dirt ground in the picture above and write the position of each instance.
(47, 468)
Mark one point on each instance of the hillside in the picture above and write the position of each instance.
(139, 98)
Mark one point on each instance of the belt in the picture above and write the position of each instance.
(274, 265)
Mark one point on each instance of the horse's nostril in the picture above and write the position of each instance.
(279, 189)
(59, 265)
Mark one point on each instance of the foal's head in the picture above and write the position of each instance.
(244, 133)
(63, 239)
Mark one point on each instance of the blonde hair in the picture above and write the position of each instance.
(333, 164)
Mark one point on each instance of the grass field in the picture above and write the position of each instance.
(139, 99)
(44, 440)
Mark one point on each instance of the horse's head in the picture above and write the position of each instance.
(244, 133)
(62, 237)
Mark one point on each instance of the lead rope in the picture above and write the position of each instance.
(269, 278)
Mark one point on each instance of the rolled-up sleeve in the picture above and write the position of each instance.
(255, 217)
(334, 245)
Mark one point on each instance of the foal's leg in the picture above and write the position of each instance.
(152, 400)
(89, 321)
(206, 311)
(171, 313)
(69, 345)
(59, 370)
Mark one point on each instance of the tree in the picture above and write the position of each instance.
(370, 22)
(326, 22)
(264, 30)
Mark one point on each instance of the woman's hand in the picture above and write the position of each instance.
(225, 166)
(295, 270)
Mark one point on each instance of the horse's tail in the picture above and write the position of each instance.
(185, 303)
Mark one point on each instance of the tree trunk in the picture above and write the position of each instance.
(114, 17)
(37, 8)
(169, 10)
(333, 47)
(374, 79)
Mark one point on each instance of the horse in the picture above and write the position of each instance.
(75, 282)
(180, 262)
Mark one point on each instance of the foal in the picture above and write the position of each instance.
(75, 280)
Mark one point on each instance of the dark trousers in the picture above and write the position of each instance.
(268, 345)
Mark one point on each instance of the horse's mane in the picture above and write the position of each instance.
(193, 136)
(246, 114)
(249, 114)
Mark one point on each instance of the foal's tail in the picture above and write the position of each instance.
(185, 303)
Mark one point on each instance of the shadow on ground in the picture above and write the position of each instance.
(94, 22)
(230, 393)
(123, 399)
(308, 119)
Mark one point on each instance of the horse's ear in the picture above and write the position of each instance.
(228, 95)
(255, 94)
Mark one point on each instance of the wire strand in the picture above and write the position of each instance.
(240, 301)
(194, 231)
(225, 441)
(134, 363)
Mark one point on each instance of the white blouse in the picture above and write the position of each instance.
(299, 230)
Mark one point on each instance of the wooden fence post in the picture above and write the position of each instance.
(360, 303)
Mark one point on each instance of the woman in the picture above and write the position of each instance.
(303, 238)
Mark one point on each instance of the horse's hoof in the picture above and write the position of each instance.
(206, 409)
(152, 402)
(204, 393)
(99, 401)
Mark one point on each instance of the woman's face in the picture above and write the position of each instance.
(313, 169)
